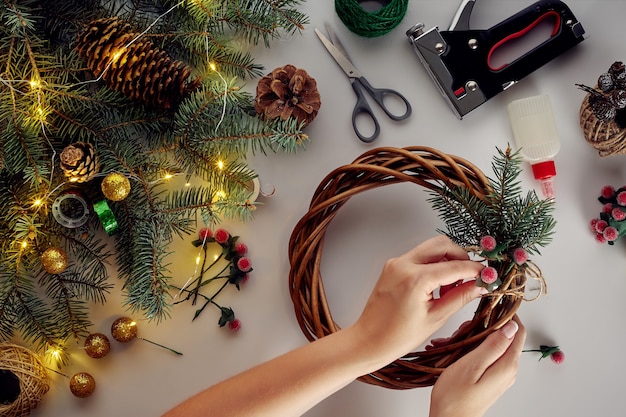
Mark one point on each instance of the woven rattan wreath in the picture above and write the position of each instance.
(427, 168)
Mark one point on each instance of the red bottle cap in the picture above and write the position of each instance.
(543, 170)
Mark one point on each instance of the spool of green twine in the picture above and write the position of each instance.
(371, 24)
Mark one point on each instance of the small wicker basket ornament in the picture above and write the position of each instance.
(603, 111)
(607, 137)
(422, 166)
(31, 375)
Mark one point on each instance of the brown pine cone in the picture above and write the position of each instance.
(287, 92)
(133, 65)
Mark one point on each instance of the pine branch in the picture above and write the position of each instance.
(504, 214)
(49, 100)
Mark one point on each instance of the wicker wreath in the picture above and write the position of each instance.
(607, 137)
(422, 166)
(31, 375)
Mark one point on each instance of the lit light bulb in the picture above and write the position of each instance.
(220, 195)
(220, 164)
(117, 55)
(54, 353)
(24, 244)
(41, 114)
(212, 66)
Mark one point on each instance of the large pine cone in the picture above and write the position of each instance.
(80, 162)
(139, 70)
(287, 92)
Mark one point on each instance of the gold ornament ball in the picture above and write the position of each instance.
(54, 260)
(115, 186)
(82, 385)
(97, 345)
(124, 329)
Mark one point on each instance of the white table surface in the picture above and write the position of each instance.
(583, 311)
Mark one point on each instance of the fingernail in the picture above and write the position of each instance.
(509, 329)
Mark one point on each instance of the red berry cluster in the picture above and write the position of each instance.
(608, 101)
(492, 250)
(610, 225)
(234, 253)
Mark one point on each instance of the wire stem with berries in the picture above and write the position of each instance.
(231, 265)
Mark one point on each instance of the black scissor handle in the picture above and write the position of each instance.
(381, 94)
(378, 95)
(362, 107)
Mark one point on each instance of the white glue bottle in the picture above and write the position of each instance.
(536, 137)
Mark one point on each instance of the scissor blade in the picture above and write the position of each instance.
(340, 58)
(336, 41)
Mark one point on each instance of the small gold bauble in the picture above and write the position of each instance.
(54, 260)
(115, 186)
(124, 329)
(82, 385)
(97, 345)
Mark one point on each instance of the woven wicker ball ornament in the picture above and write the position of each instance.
(24, 375)
(424, 167)
(607, 137)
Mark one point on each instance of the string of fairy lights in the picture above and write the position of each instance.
(37, 87)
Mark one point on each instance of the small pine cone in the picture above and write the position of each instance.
(287, 92)
(605, 82)
(618, 73)
(133, 65)
(618, 98)
(602, 107)
(79, 162)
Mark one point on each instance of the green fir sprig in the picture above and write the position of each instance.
(511, 220)
(49, 100)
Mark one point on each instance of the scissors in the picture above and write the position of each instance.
(361, 86)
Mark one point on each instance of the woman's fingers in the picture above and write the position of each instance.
(435, 250)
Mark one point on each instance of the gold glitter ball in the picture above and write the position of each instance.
(82, 385)
(54, 260)
(97, 345)
(124, 329)
(115, 186)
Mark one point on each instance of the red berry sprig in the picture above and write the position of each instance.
(231, 266)
(554, 352)
(611, 224)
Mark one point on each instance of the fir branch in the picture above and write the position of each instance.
(48, 100)
(146, 288)
(464, 213)
(504, 214)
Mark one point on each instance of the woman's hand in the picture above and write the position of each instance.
(401, 312)
(472, 384)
